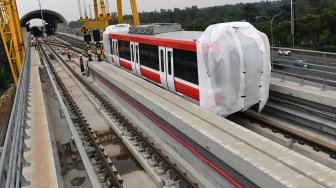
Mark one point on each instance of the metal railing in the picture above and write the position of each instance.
(307, 52)
(70, 31)
(305, 71)
(12, 160)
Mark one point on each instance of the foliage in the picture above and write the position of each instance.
(329, 48)
(251, 11)
(315, 23)
(5, 78)
(314, 28)
(5, 74)
(75, 24)
(310, 27)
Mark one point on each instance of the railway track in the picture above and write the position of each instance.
(317, 144)
(74, 42)
(99, 158)
(306, 141)
(169, 172)
(319, 120)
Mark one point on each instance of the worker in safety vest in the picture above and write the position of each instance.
(99, 54)
(89, 53)
(67, 51)
(81, 64)
(34, 43)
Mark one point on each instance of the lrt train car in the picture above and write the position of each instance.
(225, 69)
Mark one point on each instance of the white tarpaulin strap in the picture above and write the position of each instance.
(233, 67)
(266, 76)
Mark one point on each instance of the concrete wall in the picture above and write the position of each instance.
(62, 25)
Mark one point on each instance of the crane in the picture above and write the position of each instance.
(11, 36)
(101, 21)
(135, 13)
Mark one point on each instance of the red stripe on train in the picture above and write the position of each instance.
(151, 75)
(112, 58)
(177, 44)
(187, 90)
(125, 65)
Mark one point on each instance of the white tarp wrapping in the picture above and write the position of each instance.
(234, 68)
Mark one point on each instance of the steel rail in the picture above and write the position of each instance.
(302, 139)
(73, 47)
(73, 41)
(89, 136)
(136, 133)
(92, 175)
(307, 108)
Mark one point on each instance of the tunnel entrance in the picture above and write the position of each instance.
(52, 20)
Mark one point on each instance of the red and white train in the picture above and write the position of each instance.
(168, 59)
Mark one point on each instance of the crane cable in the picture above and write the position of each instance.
(85, 9)
(80, 9)
(107, 6)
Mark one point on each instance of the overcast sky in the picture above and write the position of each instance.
(69, 8)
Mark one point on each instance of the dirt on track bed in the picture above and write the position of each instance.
(6, 102)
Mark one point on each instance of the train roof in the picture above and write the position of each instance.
(172, 31)
(176, 35)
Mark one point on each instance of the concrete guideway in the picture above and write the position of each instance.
(223, 138)
(93, 114)
(318, 99)
(310, 93)
(42, 169)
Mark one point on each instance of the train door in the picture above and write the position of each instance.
(115, 52)
(166, 60)
(135, 58)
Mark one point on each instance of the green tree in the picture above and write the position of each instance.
(309, 29)
(251, 11)
(5, 73)
(281, 32)
(329, 18)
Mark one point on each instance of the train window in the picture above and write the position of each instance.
(149, 56)
(111, 47)
(124, 49)
(136, 54)
(162, 60)
(185, 65)
(169, 63)
(132, 53)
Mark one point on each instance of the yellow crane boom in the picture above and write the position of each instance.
(11, 35)
(135, 13)
(101, 21)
